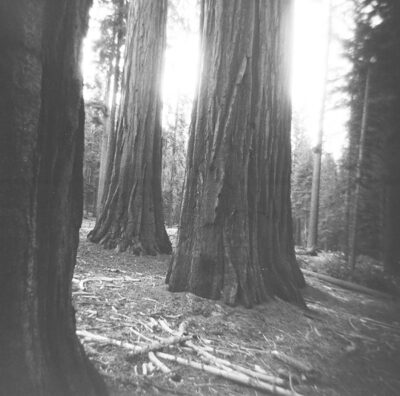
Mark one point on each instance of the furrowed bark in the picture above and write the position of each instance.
(41, 156)
(132, 216)
(235, 237)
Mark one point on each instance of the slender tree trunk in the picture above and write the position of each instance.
(109, 137)
(360, 161)
(312, 240)
(41, 150)
(235, 238)
(132, 216)
(174, 194)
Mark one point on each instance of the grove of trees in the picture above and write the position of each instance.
(240, 197)
(358, 206)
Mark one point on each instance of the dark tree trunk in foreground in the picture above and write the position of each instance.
(41, 146)
(390, 59)
(132, 216)
(235, 236)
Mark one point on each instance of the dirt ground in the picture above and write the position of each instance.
(348, 342)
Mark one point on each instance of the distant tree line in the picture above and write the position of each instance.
(360, 197)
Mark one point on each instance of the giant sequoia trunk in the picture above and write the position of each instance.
(132, 216)
(41, 145)
(108, 138)
(235, 237)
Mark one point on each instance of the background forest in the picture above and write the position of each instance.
(356, 126)
(235, 154)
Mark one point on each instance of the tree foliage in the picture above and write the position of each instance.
(376, 48)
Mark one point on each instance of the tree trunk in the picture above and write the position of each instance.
(352, 255)
(235, 237)
(132, 216)
(108, 138)
(312, 240)
(41, 150)
(108, 96)
(391, 218)
(391, 224)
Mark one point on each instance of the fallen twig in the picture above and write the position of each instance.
(301, 366)
(349, 285)
(134, 349)
(160, 344)
(225, 363)
(378, 323)
(158, 363)
(237, 377)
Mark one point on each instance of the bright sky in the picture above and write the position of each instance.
(310, 39)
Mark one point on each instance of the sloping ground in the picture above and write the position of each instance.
(350, 341)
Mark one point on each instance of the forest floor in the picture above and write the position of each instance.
(348, 343)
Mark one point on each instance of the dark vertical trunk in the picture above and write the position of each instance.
(235, 237)
(132, 216)
(359, 166)
(391, 217)
(41, 147)
(391, 225)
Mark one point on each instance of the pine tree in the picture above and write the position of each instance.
(377, 38)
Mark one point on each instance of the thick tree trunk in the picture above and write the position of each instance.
(41, 146)
(235, 237)
(132, 216)
(108, 97)
(391, 225)
(108, 138)
(391, 217)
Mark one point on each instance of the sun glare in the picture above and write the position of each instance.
(310, 39)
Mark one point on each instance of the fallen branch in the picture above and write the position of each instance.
(225, 363)
(88, 336)
(135, 350)
(384, 325)
(301, 366)
(158, 363)
(160, 344)
(165, 326)
(237, 377)
(349, 285)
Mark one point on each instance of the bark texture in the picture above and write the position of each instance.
(41, 148)
(235, 237)
(391, 215)
(113, 88)
(132, 216)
